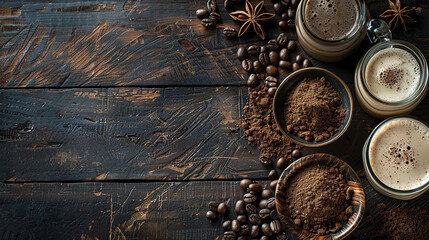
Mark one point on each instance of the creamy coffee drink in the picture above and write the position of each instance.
(399, 153)
(392, 74)
(331, 19)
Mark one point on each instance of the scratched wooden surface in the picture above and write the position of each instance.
(122, 119)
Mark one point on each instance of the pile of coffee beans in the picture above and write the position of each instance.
(209, 16)
(216, 208)
(287, 10)
(269, 60)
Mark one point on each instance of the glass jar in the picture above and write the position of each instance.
(397, 177)
(391, 99)
(325, 48)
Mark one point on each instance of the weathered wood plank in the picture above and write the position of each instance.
(140, 133)
(156, 210)
(137, 43)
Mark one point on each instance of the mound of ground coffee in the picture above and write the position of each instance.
(313, 110)
(319, 200)
(260, 127)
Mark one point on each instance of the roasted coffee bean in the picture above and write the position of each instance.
(281, 163)
(229, 235)
(213, 205)
(210, 215)
(264, 237)
(282, 25)
(286, 65)
(254, 49)
(296, 67)
(273, 184)
(255, 219)
(275, 226)
(244, 184)
(227, 4)
(254, 231)
(285, 2)
(294, 3)
(271, 81)
(239, 207)
(207, 23)
(241, 53)
(263, 203)
(212, 6)
(244, 229)
(296, 153)
(249, 198)
(272, 91)
(226, 225)
(291, 24)
(266, 193)
(282, 40)
(257, 66)
(272, 45)
(253, 80)
(274, 58)
(274, 215)
(254, 192)
(299, 59)
(222, 208)
(265, 227)
(230, 32)
(272, 70)
(257, 187)
(264, 49)
(215, 16)
(202, 13)
(265, 160)
(272, 174)
(297, 222)
(282, 236)
(242, 238)
(247, 65)
(251, 209)
(264, 214)
(284, 54)
(291, 45)
(264, 59)
(278, 8)
(242, 219)
(306, 63)
(235, 225)
(271, 203)
(291, 12)
(285, 16)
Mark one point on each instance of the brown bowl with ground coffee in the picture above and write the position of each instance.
(320, 197)
(313, 107)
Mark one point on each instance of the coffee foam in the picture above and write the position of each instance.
(398, 154)
(331, 19)
(392, 74)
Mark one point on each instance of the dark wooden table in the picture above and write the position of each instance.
(120, 119)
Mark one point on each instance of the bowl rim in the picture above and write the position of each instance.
(337, 134)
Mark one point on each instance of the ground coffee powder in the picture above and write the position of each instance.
(260, 128)
(319, 199)
(313, 110)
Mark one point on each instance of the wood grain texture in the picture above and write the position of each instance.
(138, 43)
(140, 133)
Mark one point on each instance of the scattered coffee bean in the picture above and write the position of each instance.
(295, 67)
(247, 65)
(263, 203)
(264, 159)
(271, 202)
(274, 215)
(213, 205)
(272, 91)
(229, 235)
(273, 184)
(253, 80)
(207, 23)
(264, 49)
(278, 8)
(281, 163)
(275, 226)
(210, 215)
(242, 238)
(264, 214)
(271, 81)
(291, 45)
(251, 209)
(242, 219)
(255, 219)
(284, 54)
(239, 207)
(296, 153)
(257, 66)
(282, 236)
(241, 53)
(306, 63)
(266, 194)
(282, 25)
(244, 229)
(212, 6)
(264, 237)
(264, 59)
(222, 208)
(285, 16)
(265, 227)
(291, 13)
(272, 45)
(286, 65)
(249, 198)
(272, 70)
(257, 187)
(274, 58)
(230, 32)
(254, 231)
(272, 174)
(294, 3)
(244, 183)
(254, 49)
(202, 13)
(299, 59)
(227, 4)
(282, 40)
(291, 24)
(215, 16)
(226, 225)
(297, 222)
(235, 225)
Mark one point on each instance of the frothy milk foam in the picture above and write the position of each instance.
(392, 74)
(399, 154)
(331, 19)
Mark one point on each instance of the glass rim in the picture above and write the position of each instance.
(360, 22)
(368, 162)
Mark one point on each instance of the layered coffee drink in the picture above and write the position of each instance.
(399, 153)
(392, 75)
(331, 19)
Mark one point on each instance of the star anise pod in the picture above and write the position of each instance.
(399, 15)
(251, 17)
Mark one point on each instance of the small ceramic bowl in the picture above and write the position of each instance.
(353, 181)
(290, 82)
